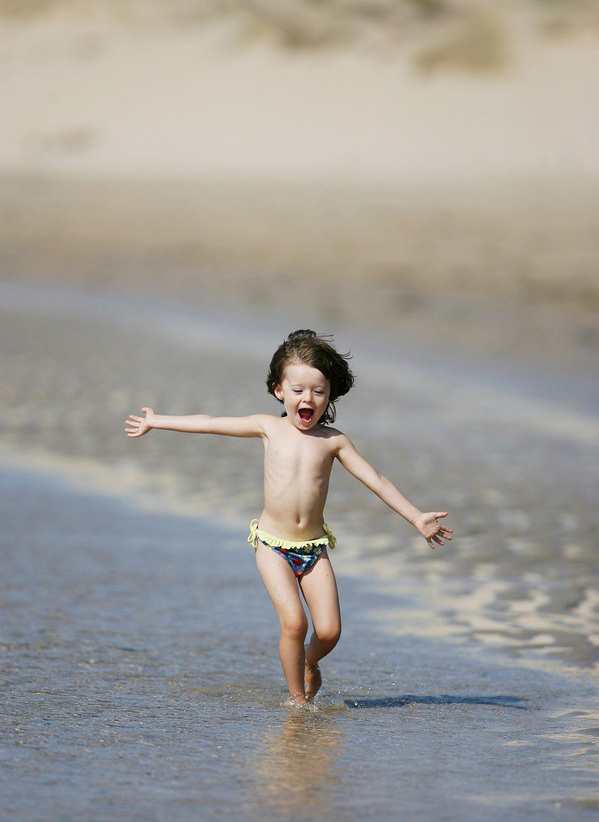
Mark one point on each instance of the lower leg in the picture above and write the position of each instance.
(320, 592)
(292, 656)
(282, 587)
(315, 651)
(317, 648)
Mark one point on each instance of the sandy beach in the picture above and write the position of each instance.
(175, 197)
(216, 155)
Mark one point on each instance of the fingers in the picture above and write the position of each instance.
(440, 533)
(137, 426)
(134, 426)
(443, 530)
(436, 539)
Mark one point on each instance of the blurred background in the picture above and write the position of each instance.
(433, 150)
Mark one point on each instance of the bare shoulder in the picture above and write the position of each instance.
(335, 438)
(269, 423)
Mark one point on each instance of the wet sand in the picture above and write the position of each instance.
(505, 267)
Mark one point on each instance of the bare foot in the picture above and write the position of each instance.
(313, 680)
(295, 700)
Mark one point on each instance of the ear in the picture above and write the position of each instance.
(278, 393)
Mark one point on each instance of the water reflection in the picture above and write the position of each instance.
(295, 767)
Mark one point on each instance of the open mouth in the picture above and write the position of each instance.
(306, 414)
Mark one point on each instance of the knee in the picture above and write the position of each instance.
(329, 633)
(294, 626)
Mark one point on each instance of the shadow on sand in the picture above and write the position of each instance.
(443, 699)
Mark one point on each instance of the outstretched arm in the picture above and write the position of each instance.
(425, 523)
(252, 426)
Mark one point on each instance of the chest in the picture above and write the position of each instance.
(298, 454)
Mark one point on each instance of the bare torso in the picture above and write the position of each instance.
(297, 469)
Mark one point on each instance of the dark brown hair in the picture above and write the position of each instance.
(305, 346)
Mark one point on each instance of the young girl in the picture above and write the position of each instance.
(291, 538)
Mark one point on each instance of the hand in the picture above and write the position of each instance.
(432, 530)
(139, 425)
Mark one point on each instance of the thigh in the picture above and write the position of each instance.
(319, 588)
(279, 581)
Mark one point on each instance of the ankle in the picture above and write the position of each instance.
(297, 698)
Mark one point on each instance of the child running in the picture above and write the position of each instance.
(291, 539)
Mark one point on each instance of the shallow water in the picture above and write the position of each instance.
(508, 448)
(141, 682)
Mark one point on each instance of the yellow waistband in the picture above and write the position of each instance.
(277, 542)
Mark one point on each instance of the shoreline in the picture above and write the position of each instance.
(412, 257)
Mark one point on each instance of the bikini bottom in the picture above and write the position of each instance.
(301, 556)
